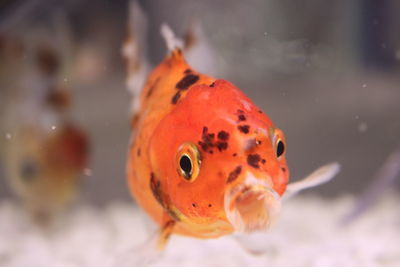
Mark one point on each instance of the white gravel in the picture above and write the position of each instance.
(307, 234)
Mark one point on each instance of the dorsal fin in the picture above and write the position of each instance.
(134, 51)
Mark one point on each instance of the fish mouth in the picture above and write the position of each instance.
(252, 205)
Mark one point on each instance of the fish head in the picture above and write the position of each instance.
(219, 158)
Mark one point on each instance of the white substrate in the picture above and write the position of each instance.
(307, 234)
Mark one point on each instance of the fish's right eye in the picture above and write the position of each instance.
(188, 161)
(186, 166)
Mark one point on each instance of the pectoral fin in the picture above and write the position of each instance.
(165, 232)
(320, 176)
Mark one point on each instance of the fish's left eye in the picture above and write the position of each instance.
(280, 148)
(188, 161)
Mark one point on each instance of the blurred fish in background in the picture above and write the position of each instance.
(45, 152)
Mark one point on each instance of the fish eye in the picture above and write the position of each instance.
(188, 161)
(186, 165)
(280, 148)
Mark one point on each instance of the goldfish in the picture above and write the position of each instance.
(204, 161)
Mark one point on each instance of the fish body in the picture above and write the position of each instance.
(204, 160)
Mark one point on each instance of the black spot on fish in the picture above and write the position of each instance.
(244, 128)
(222, 135)
(155, 186)
(263, 161)
(175, 98)
(209, 205)
(241, 117)
(203, 145)
(212, 85)
(222, 146)
(283, 169)
(187, 71)
(233, 175)
(210, 137)
(260, 111)
(194, 205)
(187, 81)
(152, 87)
(234, 154)
(253, 160)
(208, 140)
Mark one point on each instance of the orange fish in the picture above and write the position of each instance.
(204, 161)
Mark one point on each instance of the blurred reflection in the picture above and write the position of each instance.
(45, 152)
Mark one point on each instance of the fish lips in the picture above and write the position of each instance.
(252, 205)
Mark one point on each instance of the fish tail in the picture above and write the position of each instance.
(194, 44)
(172, 42)
(134, 51)
(199, 51)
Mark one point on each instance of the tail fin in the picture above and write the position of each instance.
(198, 50)
(171, 40)
(135, 52)
(195, 46)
